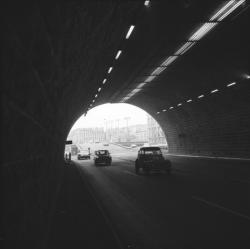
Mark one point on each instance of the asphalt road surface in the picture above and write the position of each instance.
(204, 203)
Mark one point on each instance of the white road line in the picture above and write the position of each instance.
(130, 173)
(211, 157)
(209, 203)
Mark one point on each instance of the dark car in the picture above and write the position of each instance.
(84, 154)
(102, 157)
(151, 158)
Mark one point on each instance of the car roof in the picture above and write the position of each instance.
(150, 148)
(102, 150)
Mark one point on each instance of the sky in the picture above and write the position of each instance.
(111, 112)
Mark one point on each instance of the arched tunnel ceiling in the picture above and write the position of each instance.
(71, 45)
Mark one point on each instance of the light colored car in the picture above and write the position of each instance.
(83, 154)
(151, 158)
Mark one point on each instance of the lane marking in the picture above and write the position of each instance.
(130, 173)
(211, 157)
(209, 203)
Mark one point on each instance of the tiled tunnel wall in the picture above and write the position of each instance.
(217, 125)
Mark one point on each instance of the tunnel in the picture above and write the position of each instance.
(60, 59)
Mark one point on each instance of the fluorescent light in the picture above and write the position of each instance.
(180, 104)
(201, 96)
(149, 78)
(118, 54)
(231, 84)
(158, 70)
(230, 10)
(221, 10)
(93, 101)
(164, 110)
(215, 91)
(104, 81)
(99, 89)
(168, 61)
(130, 31)
(203, 30)
(136, 91)
(190, 100)
(110, 69)
(184, 48)
(158, 113)
(146, 3)
(141, 85)
(96, 95)
(170, 108)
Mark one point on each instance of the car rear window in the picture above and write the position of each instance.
(102, 152)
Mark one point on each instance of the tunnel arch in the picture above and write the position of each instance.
(54, 58)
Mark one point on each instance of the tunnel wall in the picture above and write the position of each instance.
(217, 125)
(31, 165)
(32, 146)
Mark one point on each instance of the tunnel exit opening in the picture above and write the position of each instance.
(119, 124)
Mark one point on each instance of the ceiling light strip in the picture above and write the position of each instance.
(204, 29)
(131, 28)
(118, 54)
(237, 4)
(110, 69)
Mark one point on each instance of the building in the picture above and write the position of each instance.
(87, 135)
(155, 132)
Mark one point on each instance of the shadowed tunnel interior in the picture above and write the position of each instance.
(56, 56)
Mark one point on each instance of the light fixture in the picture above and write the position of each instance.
(93, 101)
(184, 48)
(158, 113)
(200, 96)
(215, 91)
(247, 76)
(118, 54)
(130, 31)
(96, 95)
(146, 3)
(180, 104)
(141, 85)
(158, 70)
(221, 11)
(227, 9)
(136, 91)
(104, 81)
(203, 30)
(99, 89)
(170, 108)
(168, 61)
(190, 100)
(110, 69)
(231, 84)
(164, 110)
(149, 78)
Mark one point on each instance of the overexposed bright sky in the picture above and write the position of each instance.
(112, 112)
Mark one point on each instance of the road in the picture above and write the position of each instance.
(203, 204)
